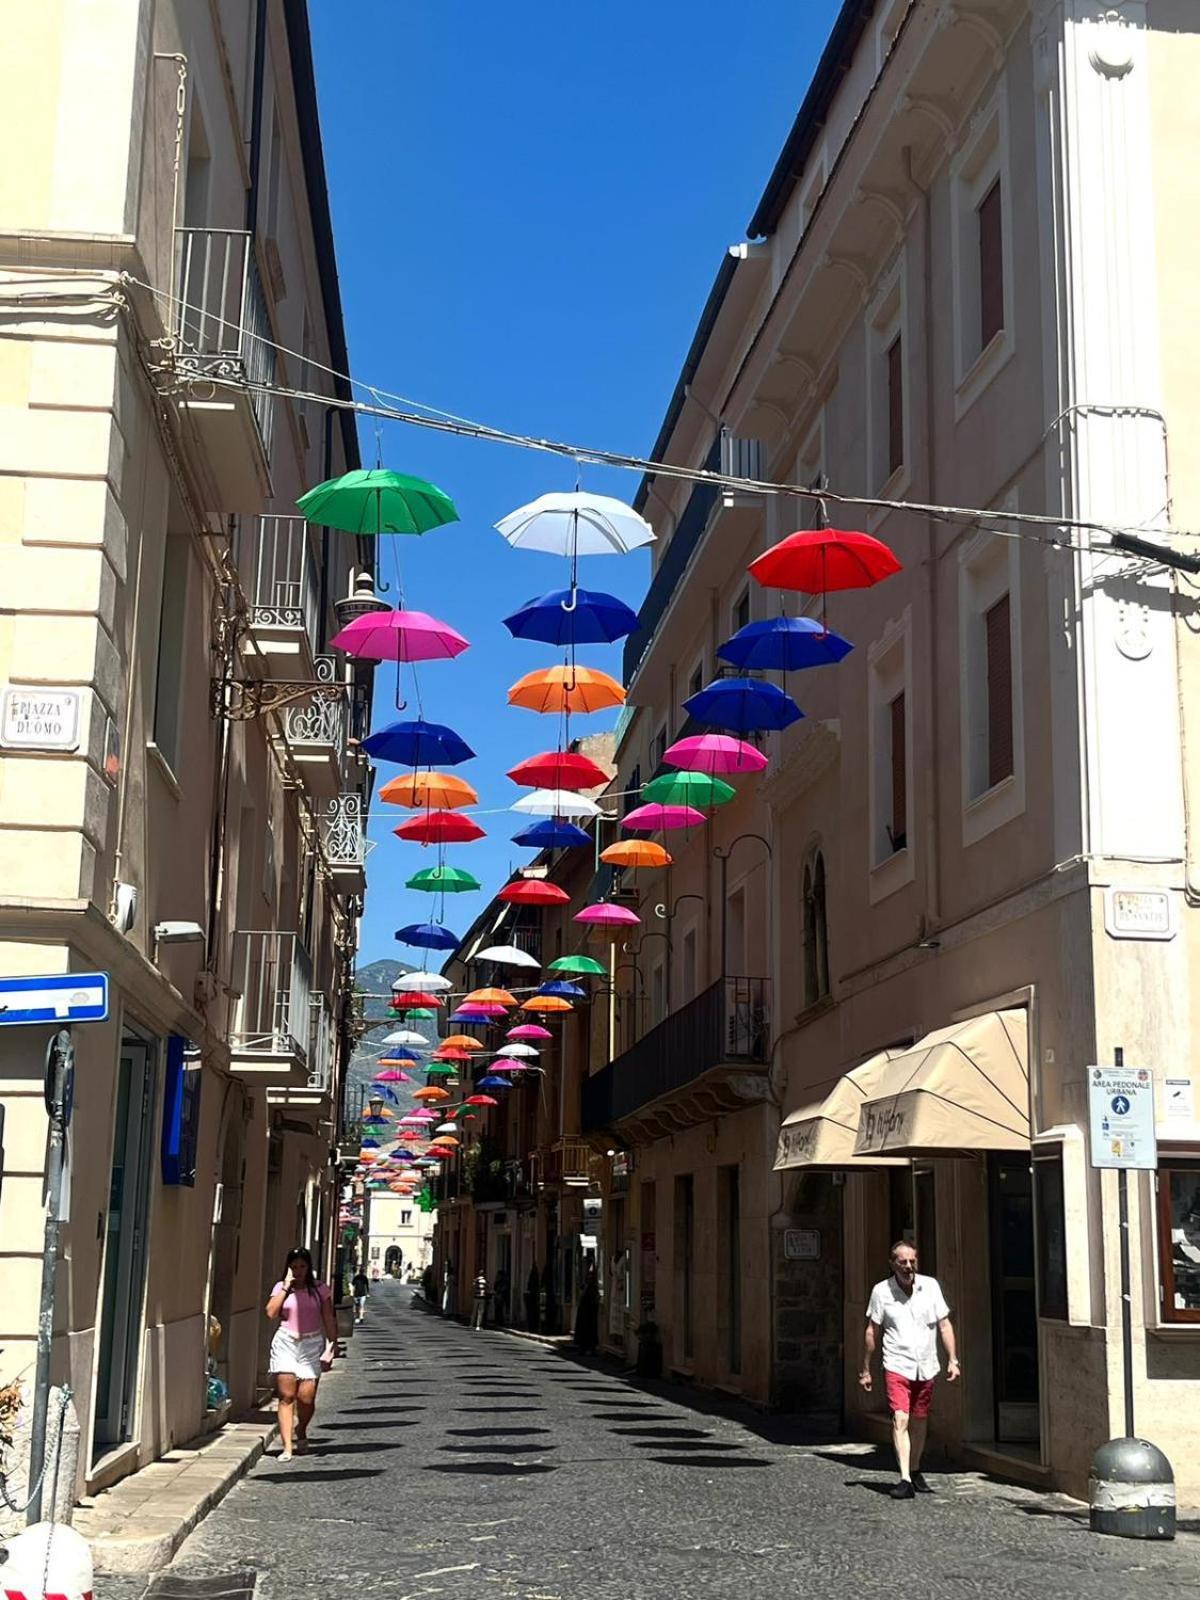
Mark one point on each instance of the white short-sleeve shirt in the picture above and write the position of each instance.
(909, 1323)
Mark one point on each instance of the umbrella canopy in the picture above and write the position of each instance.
(432, 1092)
(406, 1036)
(417, 743)
(442, 1069)
(569, 688)
(475, 1016)
(493, 1082)
(377, 500)
(481, 1100)
(563, 989)
(392, 1075)
(573, 616)
(587, 965)
(555, 803)
(509, 1066)
(607, 915)
(559, 769)
(823, 560)
(508, 955)
(576, 524)
(533, 892)
(784, 644)
(449, 1053)
(634, 853)
(489, 997)
(530, 1030)
(424, 983)
(518, 1050)
(546, 1003)
(552, 834)
(460, 1041)
(743, 704)
(650, 818)
(443, 880)
(399, 636)
(697, 789)
(714, 753)
(439, 827)
(427, 936)
(415, 1002)
(445, 1141)
(429, 791)
(446, 1127)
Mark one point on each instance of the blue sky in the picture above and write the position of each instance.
(530, 204)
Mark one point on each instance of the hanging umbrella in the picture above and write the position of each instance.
(563, 989)
(446, 1127)
(518, 1050)
(399, 636)
(426, 983)
(533, 892)
(460, 1041)
(688, 789)
(430, 1093)
(573, 616)
(552, 834)
(553, 690)
(476, 1016)
(508, 955)
(377, 500)
(744, 704)
(555, 803)
(634, 853)
(586, 965)
(531, 1030)
(446, 1141)
(493, 1082)
(607, 915)
(481, 1100)
(429, 791)
(576, 524)
(784, 644)
(392, 1075)
(489, 997)
(714, 753)
(443, 880)
(546, 1003)
(441, 1069)
(414, 1001)
(427, 936)
(823, 560)
(650, 818)
(406, 1036)
(559, 769)
(439, 827)
(510, 1066)
(421, 1013)
(417, 743)
(451, 1054)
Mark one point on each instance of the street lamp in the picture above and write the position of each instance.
(723, 857)
(375, 1105)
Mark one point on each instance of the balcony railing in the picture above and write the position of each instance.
(324, 1046)
(221, 325)
(567, 1162)
(728, 1024)
(342, 831)
(272, 974)
(279, 571)
(323, 719)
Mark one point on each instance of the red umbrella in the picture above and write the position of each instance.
(559, 769)
(413, 1000)
(440, 827)
(822, 560)
(533, 892)
(480, 1100)
(451, 1053)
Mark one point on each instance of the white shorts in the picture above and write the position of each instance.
(296, 1354)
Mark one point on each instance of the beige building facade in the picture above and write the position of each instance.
(191, 824)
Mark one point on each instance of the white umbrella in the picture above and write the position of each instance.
(508, 955)
(447, 1127)
(405, 1036)
(576, 525)
(421, 983)
(556, 803)
(518, 1050)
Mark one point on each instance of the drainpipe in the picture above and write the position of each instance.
(256, 113)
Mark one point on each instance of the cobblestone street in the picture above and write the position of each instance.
(446, 1463)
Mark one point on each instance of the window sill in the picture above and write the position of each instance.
(990, 810)
(890, 875)
(986, 367)
(1173, 1330)
(159, 761)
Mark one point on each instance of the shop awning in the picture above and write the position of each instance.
(821, 1132)
(960, 1089)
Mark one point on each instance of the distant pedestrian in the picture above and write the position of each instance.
(479, 1300)
(302, 1348)
(360, 1288)
(587, 1317)
(912, 1311)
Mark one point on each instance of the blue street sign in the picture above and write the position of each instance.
(1120, 1105)
(59, 998)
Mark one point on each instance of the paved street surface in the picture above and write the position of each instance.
(452, 1464)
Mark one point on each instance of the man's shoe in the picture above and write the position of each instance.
(904, 1491)
(919, 1484)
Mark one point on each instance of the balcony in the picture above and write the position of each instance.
(709, 1057)
(317, 728)
(271, 1036)
(279, 574)
(345, 842)
(322, 1056)
(733, 458)
(223, 357)
(565, 1165)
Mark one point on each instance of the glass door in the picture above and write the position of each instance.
(1014, 1298)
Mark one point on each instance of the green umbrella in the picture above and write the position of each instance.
(375, 500)
(584, 964)
(441, 1069)
(452, 880)
(422, 1012)
(696, 789)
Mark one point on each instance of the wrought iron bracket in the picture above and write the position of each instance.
(242, 699)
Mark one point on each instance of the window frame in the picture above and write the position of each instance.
(815, 927)
(742, 602)
(166, 720)
(989, 566)
(983, 159)
(1169, 1315)
(887, 321)
(889, 673)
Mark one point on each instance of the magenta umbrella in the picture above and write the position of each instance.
(530, 1030)
(506, 1066)
(649, 818)
(714, 753)
(607, 915)
(399, 636)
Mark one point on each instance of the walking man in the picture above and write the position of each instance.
(912, 1311)
(360, 1288)
(479, 1306)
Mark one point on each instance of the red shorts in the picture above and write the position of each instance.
(910, 1395)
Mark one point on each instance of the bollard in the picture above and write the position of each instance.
(1131, 1491)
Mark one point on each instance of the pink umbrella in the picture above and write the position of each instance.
(391, 1075)
(399, 636)
(649, 818)
(607, 915)
(714, 753)
(530, 1030)
(507, 1066)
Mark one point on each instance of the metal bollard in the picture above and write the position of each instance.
(1131, 1491)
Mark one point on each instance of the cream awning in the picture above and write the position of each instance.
(962, 1088)
(821, 1132)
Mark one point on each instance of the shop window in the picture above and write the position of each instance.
(1051, 1222)
(816, 931)
(1179, 1240)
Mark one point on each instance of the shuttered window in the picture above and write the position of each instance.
(991, 266)
(895, 403)
(998, 639)
(898, 832)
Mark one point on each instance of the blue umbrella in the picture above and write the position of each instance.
(594, 618)
(428, 936)
(418, 744)
(493, 1082)
(784, 644)
(563, 989)
(465, 1014)
(370, 1144)
(552, 834)
(384, 1092)
(744, 705)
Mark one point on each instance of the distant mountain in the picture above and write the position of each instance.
(374, 982)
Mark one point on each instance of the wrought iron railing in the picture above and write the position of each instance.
(221, 325)
(342, 831)
(729, 1022)
(321, 720)
(272, 977)
(324, 1045)
(279, 570)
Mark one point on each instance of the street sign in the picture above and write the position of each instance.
(1121, 1118)
(39, 719)
(62, 997)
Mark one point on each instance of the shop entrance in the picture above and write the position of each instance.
(1014, 1298)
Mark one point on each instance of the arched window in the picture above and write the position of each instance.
(816, 931)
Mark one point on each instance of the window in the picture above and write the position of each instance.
(890, 735)
(740, 614)
(991, 715)
(168, 684)
(998, 646)
(895, 405)
(632, 791)
(274, 177)
(897, 828)
(924, 1182)
(981, 237)
(198, 177)
(901, 1222)
(887, 383)
(1051, 1223)
(816, 936)
(991, 265)
(406, 1219)
(658, 748)
(1178, 1186)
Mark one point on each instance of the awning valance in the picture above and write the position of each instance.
(959, 1089)
(821, 1132)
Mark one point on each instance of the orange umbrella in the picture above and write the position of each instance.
(489, 997)
(428, 791)
(460, 1041)
(552, 689)
(546, 1002)
(635, 853)
(447, 1140)
(432, 1093)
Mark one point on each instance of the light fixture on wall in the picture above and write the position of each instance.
(124, 906)
(360, 602)
(176, 933)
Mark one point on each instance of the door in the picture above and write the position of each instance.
(123, 1283)
(1014, 1298)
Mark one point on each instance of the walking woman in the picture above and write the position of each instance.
(302, 1348)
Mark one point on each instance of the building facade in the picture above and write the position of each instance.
(399, 1236)
(191, 823)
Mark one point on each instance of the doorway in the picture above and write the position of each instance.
(1014, 1298)
(685, 1262)
(124, 1274)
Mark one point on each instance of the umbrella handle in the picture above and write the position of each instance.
(573, 603)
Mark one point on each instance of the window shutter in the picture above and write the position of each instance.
(999, 690)
(895, 400)
(991, 266)
(899, 834)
